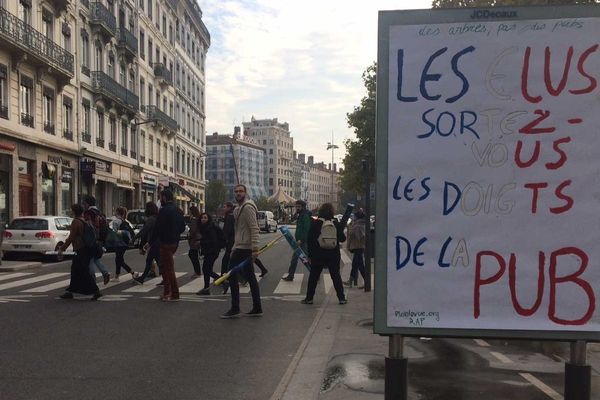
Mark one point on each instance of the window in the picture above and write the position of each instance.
(149, 51)
(100, 115)
(142, 91)
(24, 11)
(150, 9)
(85, 52)
(132, 81)
(142, 5)
(158, 153)
(151, 148)
(142, 45)
(113, 133)
(133, 143)
(3, 91)
(124, 138)
(165, 157)
(122, 69)
(150, 90)
(111, 65)
(143, 146)
(67, 119)
(66, 31)
(164, 26)
(48, 109)
(98, 54)
(86, 122)
(170, 33)
(47, 28)
(177, 161)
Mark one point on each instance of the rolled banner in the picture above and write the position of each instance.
(285, 231)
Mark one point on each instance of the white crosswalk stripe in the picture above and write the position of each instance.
(193, 286)
(150, 285)
(327, 283)
(293, 287)
(52, 286)
(345, 258)
(35, 279)
(15, 275)
(246, 289)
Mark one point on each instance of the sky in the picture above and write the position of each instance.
(298, 61)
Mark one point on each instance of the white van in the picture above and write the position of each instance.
(266, 221)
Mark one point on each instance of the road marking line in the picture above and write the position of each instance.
(29, 281)
(501, 357)
(482, 342)
(15, 275)
(293, 287)
(246, 289)
(542, 386)
(345, 258)
(53, 286)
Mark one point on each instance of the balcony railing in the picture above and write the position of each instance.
(86, 137)
(100, 142)
(128, 41)
(111, 89)
(49, 127)
(27, 120)
(86, 3)
(3, 111)
(85, 70)
(20, 35)
(124, 151)
(100, 15)
(154, 113)
(161, 72)
(112, 147)
(68, 134)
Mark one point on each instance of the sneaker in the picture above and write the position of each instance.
(115, 279)
(96, 296)
(106, 279)
(135, 275)
(263, 273)
(306, 301)
(138, 280)
(343, 301)
(203, 292)
(254, 313)
(66, 295)
(231, 314)
(287, 278)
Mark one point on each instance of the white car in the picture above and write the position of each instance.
(266, 221)
(36, 234)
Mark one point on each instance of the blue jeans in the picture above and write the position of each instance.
(97, 262)
(294, 261)
(152, 255)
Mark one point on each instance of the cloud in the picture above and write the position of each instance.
(301, 62)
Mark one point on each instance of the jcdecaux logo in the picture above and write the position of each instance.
(487, 14)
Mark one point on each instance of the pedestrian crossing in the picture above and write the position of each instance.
(54, 283)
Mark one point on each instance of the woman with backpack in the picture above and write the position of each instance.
(125, 234)
(194, 241)
(211, 243)
(324, 237)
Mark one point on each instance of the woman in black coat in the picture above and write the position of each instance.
(324, 258)
(210, 246)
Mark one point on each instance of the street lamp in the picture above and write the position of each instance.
(331, 146)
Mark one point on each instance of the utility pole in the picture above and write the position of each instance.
(331, 146)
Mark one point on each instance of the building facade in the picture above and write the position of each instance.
(230, 157)
(315, 182)
(86, 103)
(276, 139)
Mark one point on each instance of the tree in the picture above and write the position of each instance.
(216, 194)
(264, 204)
(362, 119)
(498, 3)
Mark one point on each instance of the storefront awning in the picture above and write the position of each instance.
(177, 187)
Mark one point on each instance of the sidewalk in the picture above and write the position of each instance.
(11, 266)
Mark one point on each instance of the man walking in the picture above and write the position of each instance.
(95, 217)
(302, 225)
(170, 224)
(245, 246)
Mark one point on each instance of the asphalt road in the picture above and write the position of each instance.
(132, 346)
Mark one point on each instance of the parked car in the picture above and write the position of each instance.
(266, 221)
(36, 234)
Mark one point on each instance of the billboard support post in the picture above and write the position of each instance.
(368, 236)
(578, 375)
(396, 370)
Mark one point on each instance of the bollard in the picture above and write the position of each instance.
(396, 370)
(578, 375)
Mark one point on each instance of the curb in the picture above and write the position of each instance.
(11, 266)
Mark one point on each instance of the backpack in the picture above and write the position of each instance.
(89, 235)
(99, 223)
(328, 237)
(125, 227)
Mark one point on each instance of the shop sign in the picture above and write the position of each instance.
(102, 166)
(7, 146)
(163, 180)
(67, 175)
(149, 179)
(59, 160)
(87, 167)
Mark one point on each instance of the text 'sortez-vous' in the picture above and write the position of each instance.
(576, 79)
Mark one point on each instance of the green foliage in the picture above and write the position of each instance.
(498, 3)
(264, 204)
(362, 119)
(216, 194)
